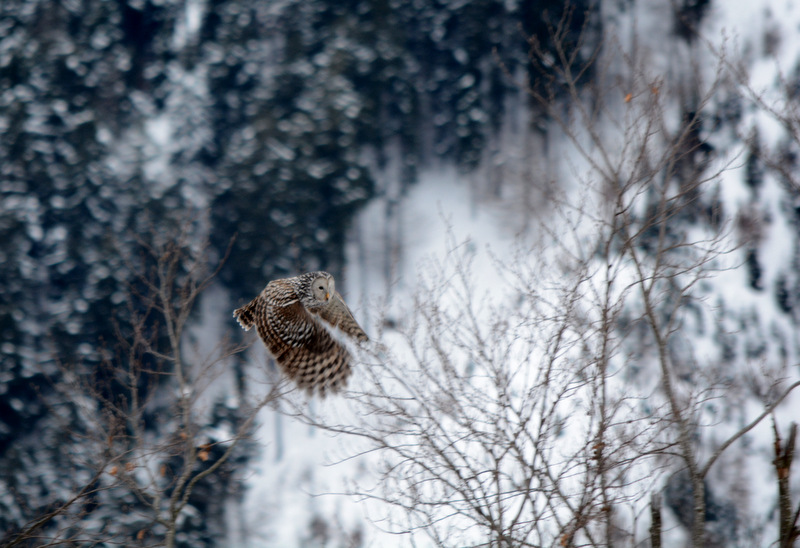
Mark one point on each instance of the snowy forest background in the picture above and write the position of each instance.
(571, 230)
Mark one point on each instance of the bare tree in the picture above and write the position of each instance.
(552, 409)
(144, 409)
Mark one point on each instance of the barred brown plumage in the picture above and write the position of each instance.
(291, 315)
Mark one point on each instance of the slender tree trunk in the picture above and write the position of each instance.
(655, 521)
(788, 531)
(699, 506)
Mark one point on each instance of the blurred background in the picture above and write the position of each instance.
(262, 133)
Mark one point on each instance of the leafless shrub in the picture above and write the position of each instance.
(142, 413)
(552, 409)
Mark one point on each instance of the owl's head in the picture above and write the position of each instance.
(318, 287)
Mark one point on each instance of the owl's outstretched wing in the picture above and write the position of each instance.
(320, 366)
(248, 314)
(303, 349)
(336, 313)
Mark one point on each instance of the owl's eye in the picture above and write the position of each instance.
(320, 287)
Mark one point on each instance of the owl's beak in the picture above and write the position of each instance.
(327, 296)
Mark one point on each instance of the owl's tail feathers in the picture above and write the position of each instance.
(246, 315)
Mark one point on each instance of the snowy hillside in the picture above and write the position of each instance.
(571, 234)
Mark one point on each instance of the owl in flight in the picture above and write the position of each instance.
(294, 317)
